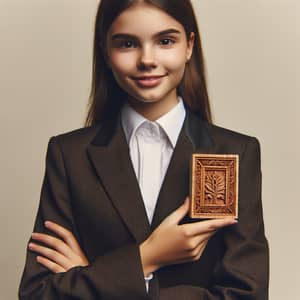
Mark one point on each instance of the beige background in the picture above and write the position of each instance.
(252, 53)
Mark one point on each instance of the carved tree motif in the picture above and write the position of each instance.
(214, 189)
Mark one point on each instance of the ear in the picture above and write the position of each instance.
(190, 46)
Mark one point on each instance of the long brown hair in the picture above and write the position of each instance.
(106, 97)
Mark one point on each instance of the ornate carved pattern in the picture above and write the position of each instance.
(214, 188)
(214, 185)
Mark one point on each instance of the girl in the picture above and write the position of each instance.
(112, 223)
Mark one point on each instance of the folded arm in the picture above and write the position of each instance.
(105, 278)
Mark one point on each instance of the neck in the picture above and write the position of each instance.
(153, 110)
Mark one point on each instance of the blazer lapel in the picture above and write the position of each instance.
(193, 138)
(109, 154)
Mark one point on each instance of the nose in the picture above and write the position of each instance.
(146, 58)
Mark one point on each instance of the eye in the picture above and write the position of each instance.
(167, 42)
(126, 44)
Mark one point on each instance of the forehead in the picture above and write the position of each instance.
(143, 19)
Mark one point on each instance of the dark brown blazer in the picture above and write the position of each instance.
(90, 188)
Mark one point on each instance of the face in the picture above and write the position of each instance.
(147, 53)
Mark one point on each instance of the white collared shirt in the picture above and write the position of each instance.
(151, 145)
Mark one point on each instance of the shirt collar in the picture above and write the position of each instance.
(171, 122)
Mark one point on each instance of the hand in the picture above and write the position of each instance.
(63, 254)
(171, 243)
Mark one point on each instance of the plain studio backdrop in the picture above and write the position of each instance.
(252, 57)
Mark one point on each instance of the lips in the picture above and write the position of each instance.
(149, 81)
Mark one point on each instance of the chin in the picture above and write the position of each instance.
(145, 99)
(149, 101)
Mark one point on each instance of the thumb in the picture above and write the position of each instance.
(180, 212)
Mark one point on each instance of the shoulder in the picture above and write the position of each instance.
(233, 139)
(76, 138)
(222, 133)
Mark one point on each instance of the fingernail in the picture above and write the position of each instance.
(47, 223)
(30, 246)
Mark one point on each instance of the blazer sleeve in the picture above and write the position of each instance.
(244, 271)
(105, 278)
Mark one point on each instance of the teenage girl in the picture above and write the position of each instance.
(113, 216)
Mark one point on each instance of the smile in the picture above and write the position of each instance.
(149, 81)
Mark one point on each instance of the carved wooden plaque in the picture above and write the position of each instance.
(214, 186)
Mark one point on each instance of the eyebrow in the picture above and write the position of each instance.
(127, 35)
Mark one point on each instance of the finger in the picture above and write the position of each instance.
(193, 242)
(192, 255)
(196, 241)
(54, 243)
(55, 268)
(179, 213)
(203, 237)
(51, 254)
(209, 225)
(65, 234)
(199, 250)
